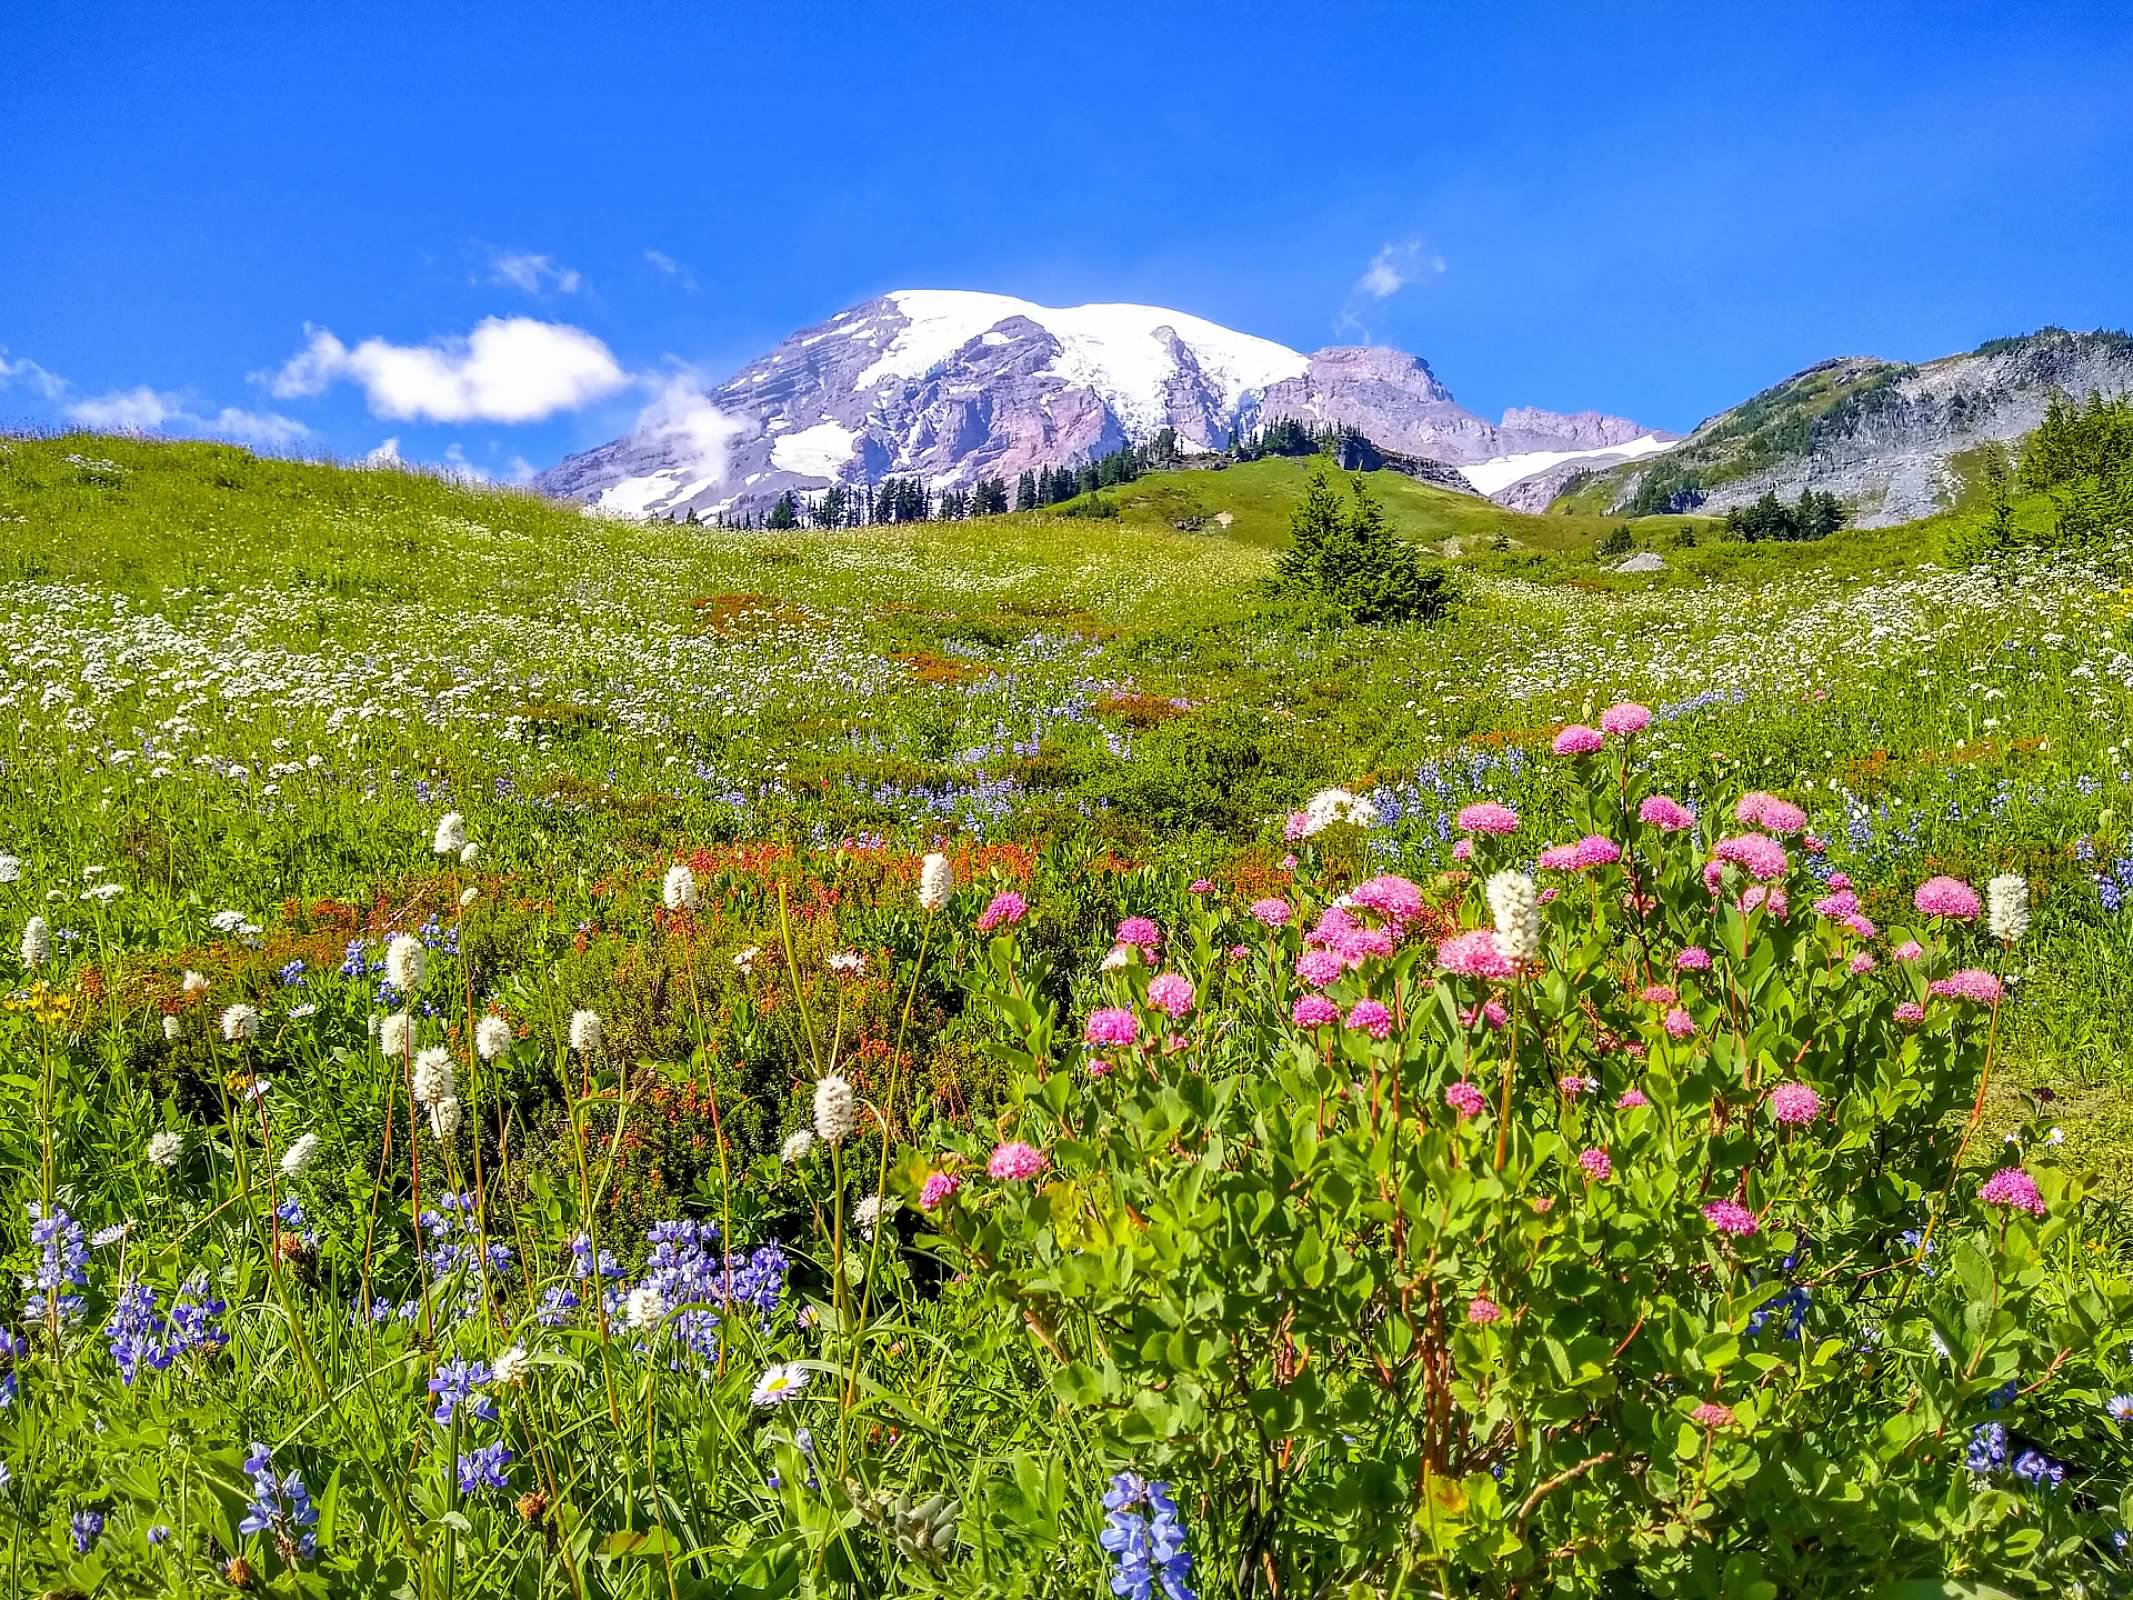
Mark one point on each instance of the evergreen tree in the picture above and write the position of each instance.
(1348, 556)
(785, 514)
(1026, 492)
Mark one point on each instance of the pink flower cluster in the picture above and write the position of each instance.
(1625, 718)
(1712, 1415)
(1837, 906)
(1666, 814)
(1598, 1165)
(1909, 950)
(1483, 1311)
(1271, 913)
(1969, 984)
(1140, 932)
(1113, 1025)
(1910, 1012)
(1394, 898)
(1486, 816)
(1315, 1011)
(1007, 909)
(1015, 1162)
(1658, 994)
(1591, 851)
(1371, 1017)
(1172, 995)
(1730, 1216)
(1679, 1024)
(1473, 954)
(1695, 958)
(1631, 1099)
(2013, 1188)
(1768, 812)
(1795, 1103)
(1491, 1012)
(1578, 740)
(937, 1189)
(1320, 967)
(1465, 1099)
(1948, 897)
(1758, 854)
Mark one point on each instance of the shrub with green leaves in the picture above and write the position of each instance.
(1628, 1235)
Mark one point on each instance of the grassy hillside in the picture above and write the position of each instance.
(250, 705)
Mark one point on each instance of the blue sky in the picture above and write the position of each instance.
(1648, 209)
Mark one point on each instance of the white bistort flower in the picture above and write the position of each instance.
(796, 1146)
(679, 891)
(10, 869)
(444, 1118)
(469, 853)
(836, 1114)
(2007, 907)
(1329, 806)
(36, 943)
(936, 882)
(492, 1038)
(164, 1148)
(586, 1032)
(298, 1155)
(510, 1367)
(645, 1308)
(1515, 904)
(468, 896)
(239, 1023)
(406, 962)
(435, 1078)
(867, 1215)
(173, 1027)
(451, 834)
(192, 985)
(394, 1033)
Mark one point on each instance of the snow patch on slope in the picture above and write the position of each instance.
(815, 452)
(1500, 472)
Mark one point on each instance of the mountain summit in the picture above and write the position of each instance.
(952, 385)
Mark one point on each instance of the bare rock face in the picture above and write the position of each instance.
(951, 386)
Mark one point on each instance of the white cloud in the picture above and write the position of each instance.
(456, 465)
(663, 263)
(680, 417)
(509, 369)
(387, 454)
(47, 383)
(1394, 267)
(145, 410)
(532, 273)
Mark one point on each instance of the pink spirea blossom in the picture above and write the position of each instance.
(1483, 1311)
(1015, 1162)
(937, 1189)
(1910, 1012)
(1768, 812)
(1486, 816)
(1712, 1415)
(1559, 858)
(1631, 1099)
(1861, 964)
(1492, 1013)
(1759, 855)
(1171, 994)
(1320, 967)
(1371, 1017)
(1909, 950)
(1665, 813)
(1626, 717)
(1113, 1025)
(1837, 906)
(2013, 1188)
(1392, 897)
(1658, 994)
(1288, 863)
(1577, 740)
(1007, 909)
(1202, 886)
(1548, 895)
(1730, 1216)
(1679, 1024)
(1237, 952)
(1695, 958)
(1298, 825)
(1465, 1099)
(1948, 897)
(1574, 1084)
(1861, 924)
(1795, 1103)
(1840, 881)
(1598, 1165)
(1271, 913)
(1969, 984)
(1762, 897)
(1463, 850)
(1814, 844)
(1099, 1068)
(1473, 954)
(1596, 851)
(1140, 932)
(1354, 946)
(1315, 1011)
(1334, 921)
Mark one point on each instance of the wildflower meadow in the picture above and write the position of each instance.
(552, 1056)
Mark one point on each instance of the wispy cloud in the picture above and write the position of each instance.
(27, 374)
(144, 410)
(667, 266)
(1396, 266)
(683, 419)
(509, 369)
(535, 274)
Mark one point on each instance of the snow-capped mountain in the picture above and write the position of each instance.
(952, 385)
